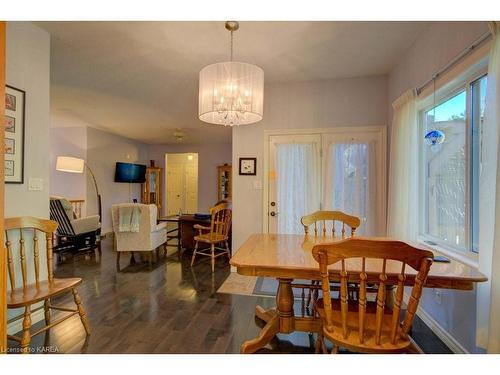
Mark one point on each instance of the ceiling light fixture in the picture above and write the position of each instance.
(231, 93)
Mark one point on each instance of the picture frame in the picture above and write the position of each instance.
(248, 167)
(14, 129)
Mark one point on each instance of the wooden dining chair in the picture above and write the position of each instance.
(321, 220)
(369, 326)
(24, 230)
(217, 234)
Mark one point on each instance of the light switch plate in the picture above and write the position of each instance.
(257, 185)
(35, 184)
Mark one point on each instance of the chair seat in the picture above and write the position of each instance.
(33, 293)
(352, 341)
(211, 238)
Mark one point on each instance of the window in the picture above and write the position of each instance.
(450, 157)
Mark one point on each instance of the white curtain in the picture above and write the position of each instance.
(351, 183)
(402, 208)
(298, 184)
(488, 293)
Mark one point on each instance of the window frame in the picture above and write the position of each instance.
(444, 93)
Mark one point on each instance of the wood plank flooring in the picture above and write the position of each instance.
(172, 309)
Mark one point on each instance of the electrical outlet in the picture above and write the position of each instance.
(437, 296)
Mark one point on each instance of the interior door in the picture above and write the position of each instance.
(175, 187)
(191, 188)
(294, 181)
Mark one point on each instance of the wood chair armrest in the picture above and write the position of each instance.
(201, 227)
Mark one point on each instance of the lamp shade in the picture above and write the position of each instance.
(231, 93)
(70, 164)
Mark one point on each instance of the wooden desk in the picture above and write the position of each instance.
(288, 256)
(187, 223)
(174, 233)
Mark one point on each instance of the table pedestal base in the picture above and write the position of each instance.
(280, 319)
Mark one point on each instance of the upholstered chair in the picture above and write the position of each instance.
(149, 235)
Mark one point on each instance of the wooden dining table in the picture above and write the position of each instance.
(288, 256)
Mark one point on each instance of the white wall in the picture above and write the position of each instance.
(315, 104)
(71, 141)
(435, 47)
(103, 151)
(209, 157)
(28, 60)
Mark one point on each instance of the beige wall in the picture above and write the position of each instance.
(68, 142)
(28, 61)
(315, 104)
(103, 151)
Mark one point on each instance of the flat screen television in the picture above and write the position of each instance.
(128, 172)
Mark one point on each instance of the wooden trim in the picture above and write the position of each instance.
(3, 270)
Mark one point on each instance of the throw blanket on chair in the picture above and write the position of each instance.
(129, 218)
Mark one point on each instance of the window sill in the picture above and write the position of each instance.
(471, 261)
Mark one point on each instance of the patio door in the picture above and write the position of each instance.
(294, 180)
(341, 170)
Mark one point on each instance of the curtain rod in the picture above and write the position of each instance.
(483, 38)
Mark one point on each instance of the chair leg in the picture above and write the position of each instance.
(335, 349)
(118, 253)
(227, 251)
(26, 337)
(319, 343)
(46, 310)
(81, 311)
(212, 255)
(194, 253)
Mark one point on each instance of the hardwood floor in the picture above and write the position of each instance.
(171, 309)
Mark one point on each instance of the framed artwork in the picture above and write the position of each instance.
(15, 103)
(248, 166)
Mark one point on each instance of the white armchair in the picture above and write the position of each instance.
(149, 237)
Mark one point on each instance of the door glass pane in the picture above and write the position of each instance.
(478, 91)
(445, 171)
(351, 183)
(297, 188)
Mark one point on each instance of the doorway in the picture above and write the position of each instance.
(341, 169)
(181, 183)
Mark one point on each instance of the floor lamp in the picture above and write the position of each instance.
(76, 165)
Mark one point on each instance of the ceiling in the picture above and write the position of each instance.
(140, 79)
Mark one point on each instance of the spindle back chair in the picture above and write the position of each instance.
(218, 233)
(367, 326)
(324, 217)
(21, 231)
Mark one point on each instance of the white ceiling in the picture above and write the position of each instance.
(140, 79)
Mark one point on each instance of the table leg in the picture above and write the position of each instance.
(284, 302)
(265, 336)
(278, 320)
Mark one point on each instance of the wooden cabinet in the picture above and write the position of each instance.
(224, 182)
(151, 189)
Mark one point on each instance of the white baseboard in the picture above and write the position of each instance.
(440, 332)
(17, 325)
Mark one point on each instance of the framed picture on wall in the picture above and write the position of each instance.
(248, 166)
(14, 135)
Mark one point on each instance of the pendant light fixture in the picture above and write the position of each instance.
(231, 93)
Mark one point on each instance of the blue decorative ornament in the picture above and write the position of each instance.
(434, 137)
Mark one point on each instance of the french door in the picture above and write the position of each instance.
(341, 170)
